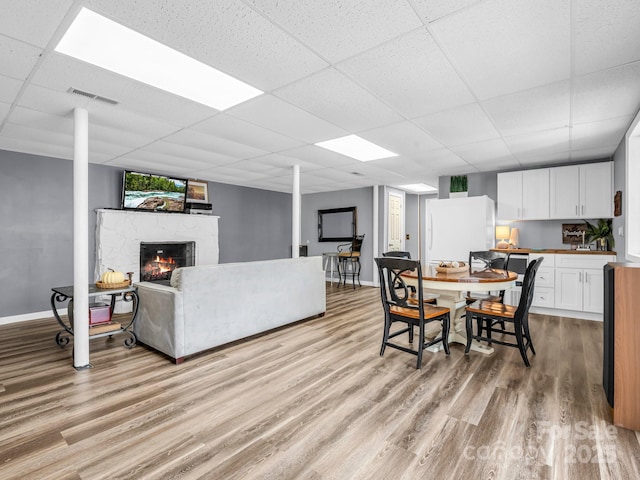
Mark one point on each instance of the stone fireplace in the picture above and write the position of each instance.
(119, 234)
(158, 260)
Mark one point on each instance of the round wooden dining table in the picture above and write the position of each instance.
(452, 289)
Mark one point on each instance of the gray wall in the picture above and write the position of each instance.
(619, 179)
(362, 198)
(36, 210)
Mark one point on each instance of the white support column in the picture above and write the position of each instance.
(295, 213)
(81, 239)
(376, 213)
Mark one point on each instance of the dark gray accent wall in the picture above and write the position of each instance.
(412, 224)
(36, 210)
(362, 198)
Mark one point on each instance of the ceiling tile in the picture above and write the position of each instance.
(607, 94)
(411, 74)
(319, 156)
(431, 10)
(441, 160)
(460, 125)
(540, 159)
(503, 46)
(595, 134)
(153, 160)
(286, 162)
(17, 59)
(4, 109)
(540, 108)
(275, 114)
(9, 88)
(333, 97)
(206, 144)
(606, 34)
(593, 153)
(214, 144)
(194, 158)
(534, 144)
(50, 101)
(32, 22)
(237, 130)
(403, 138)
(11, 141)
(338, 30)
(229, 36)
(485, 152)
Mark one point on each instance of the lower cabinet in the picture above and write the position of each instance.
(579, 282)
(544, 291)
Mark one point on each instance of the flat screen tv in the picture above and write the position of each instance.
(156, 193)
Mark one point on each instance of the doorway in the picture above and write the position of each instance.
(395, 222)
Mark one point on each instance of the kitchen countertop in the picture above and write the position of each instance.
(554, 250)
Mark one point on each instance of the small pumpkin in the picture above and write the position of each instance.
(111, 276)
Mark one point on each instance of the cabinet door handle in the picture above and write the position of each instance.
(582, 210)
(586, 277)
(576, 209)
(580, 277)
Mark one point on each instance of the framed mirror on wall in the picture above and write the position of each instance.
(337, 224)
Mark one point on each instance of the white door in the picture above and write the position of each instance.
(593, 297)
(395, 222)
(569, 288)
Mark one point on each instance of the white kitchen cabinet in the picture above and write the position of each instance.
(543, 292)
(523, 195)
(579, 282)
(581, 191)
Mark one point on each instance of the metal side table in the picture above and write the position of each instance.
(65, 294)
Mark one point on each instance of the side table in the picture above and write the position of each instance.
(65, 294)
(330, 260)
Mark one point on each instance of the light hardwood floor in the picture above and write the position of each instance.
(311, 401)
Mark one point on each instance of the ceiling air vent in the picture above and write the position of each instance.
(92, 96)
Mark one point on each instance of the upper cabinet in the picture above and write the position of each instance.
(582, 191)
(523, 195)
(575, 191)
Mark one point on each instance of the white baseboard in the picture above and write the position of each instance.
(30, 316)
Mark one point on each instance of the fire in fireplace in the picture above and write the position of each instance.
(158, 260)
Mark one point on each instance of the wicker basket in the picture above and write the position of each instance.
(452, 269)
(105, 286)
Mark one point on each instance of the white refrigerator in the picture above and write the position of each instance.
(456, 226)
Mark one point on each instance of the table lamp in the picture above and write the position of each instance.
(502, 234)
(514, 239)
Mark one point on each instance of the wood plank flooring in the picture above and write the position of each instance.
(311, 401)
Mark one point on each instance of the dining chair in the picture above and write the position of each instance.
(397, 254)
(429, 297)
(349, 260)
(496, 317)
(487, 259)
(398, 307)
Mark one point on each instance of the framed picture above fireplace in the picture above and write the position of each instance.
(197, 192)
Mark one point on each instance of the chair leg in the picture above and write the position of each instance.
(523, 350)
(385, 335)
(469, 328)
(527, 334)
(446, 325)
(410, 333)
(420, 345)
(358, 263)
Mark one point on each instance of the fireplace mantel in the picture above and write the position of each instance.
(119, 233)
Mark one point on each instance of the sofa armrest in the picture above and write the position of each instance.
(160, 321)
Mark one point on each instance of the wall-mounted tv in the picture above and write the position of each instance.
(156, 193)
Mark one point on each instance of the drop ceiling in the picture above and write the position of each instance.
(451, 86)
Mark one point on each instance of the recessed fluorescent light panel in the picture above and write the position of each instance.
(356, 147)
(99, 41)
(419, 188)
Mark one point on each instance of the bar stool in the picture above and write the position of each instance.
(349, 261)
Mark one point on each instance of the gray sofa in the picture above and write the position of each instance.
(208, 306)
